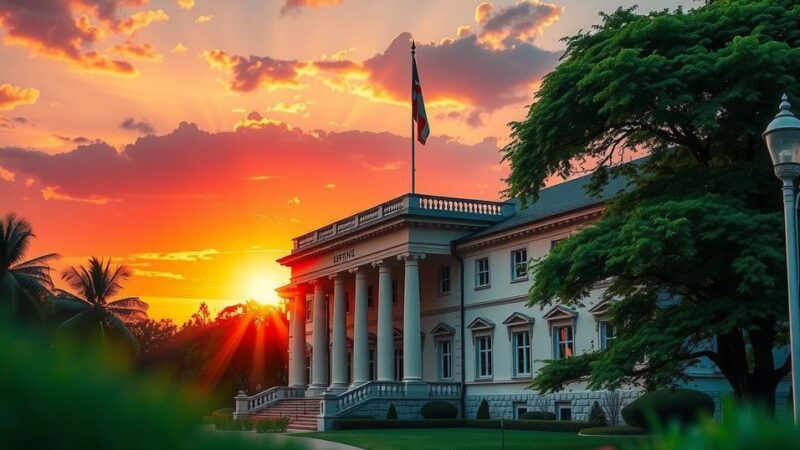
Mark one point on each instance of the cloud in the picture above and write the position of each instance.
(330, 186)
(157, 274)
(512, 25)
(186, 4)
(67, 30)
(179, 49)
(12, 122)
(261, 178)
(52, 193)
(13, 96)
(189, 255)
(297, 5)
(80, 140)
(141, 126)
(205, 18)
(7, 175)
(250, 74)
(137, 51)
(294, 201)
(255, 120)
(290, 108)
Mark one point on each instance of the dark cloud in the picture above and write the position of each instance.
(255, 72)
(297, 5)
(515, 24)
(11, 122)
(141, 126)
(80, 140)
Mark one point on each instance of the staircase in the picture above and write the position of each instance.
(302, 412)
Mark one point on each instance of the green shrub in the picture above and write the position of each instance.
(246, 424)
(596, 415)
(373, 424)
(744, 428)
(538, 415)
(439, 409)
(570, 426)
(268, 425)
(619, 430)
(224, 411)
(680, 405)
(357, 417)
(483, 411)
(392, 413)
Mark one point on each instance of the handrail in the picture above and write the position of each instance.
(263, 399)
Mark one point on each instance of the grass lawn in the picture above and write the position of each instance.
(472, 438)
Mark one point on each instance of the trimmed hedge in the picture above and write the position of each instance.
(392, 413)
(538, 415)
(531, 425)
(370, 424)
(597, 417)
(278, 425)
(620, 430)
(439, 409)
(483, 411)
(682, 405)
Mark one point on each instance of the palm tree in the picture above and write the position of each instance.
(92, 309)
(23, 284)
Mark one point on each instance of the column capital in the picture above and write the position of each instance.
(337, 277)
(382, 263)
(410, 256)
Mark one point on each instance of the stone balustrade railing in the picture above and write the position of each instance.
(246, 405)
(444, 390)
(369, 390)
(409, 203)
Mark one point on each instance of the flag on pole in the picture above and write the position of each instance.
(418, 105)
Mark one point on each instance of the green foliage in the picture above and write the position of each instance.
(744, 428)
(483, 411)
(538, 415)
(570, 426)
(277, 425)
(619, 430)
(529, 425)
(596, 415)
(682, 406)
(391, 414)
(439, 409)
(73, 398)
(372, 424)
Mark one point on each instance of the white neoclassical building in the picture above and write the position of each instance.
(424, 297)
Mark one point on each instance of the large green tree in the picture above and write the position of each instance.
(24, 284)
(692, 251)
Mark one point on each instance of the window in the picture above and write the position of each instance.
(607, 334)
(398, 364)
(394, 291)
(445, 360)
(555, 243)
(372, 364)
(369, 297)
(563, 342)
(520, 408)
(521, 342)
(308, 368)
(564, 411)
(309, 310)
(519, 265)
(444, 280)
(482, 272)
(483, 346)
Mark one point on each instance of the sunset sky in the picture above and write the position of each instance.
(192, 139)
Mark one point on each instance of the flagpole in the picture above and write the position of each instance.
(413, 156)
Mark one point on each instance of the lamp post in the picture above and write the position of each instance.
(783, 142)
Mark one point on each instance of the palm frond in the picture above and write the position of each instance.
(69, 305)
(129, 303)
(117, 325)
(38, 261)
(80, 321)
(128, 315)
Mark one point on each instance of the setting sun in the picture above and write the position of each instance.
(260, 285)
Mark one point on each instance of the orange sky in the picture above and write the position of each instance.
(192, 140)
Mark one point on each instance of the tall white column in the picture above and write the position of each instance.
(297, 354)
(339, 356)
(360, 330)
(385, 323)
(319, 355)
(412, 345)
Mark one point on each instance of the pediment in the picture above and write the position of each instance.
(480, 324)
(600, 309)
(518, 319)
(443, 329)
(560, 313)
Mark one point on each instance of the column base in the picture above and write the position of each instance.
(316, 390)
(337, 388)
(298, 386)
(416, 388)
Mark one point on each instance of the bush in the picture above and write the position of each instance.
(620, 430)
(570, 426)
(439, 409)
(247, 424)
(483, 411)
(596, 415)
(538, 415)
(372, 424)
(278, 425)
(392, 413)
(680, 405)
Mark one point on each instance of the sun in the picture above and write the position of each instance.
(260, 286)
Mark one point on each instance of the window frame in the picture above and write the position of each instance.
(527, 347)
(603, 327)
(480, 373)
(515, 264)
(479, 272)
(440, 356)
(441, 279)
(557, 341)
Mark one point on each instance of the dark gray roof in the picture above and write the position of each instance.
(554, 200)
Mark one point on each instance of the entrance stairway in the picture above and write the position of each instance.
(302, 412)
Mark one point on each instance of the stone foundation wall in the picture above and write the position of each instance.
(502, 405)
(407, 409)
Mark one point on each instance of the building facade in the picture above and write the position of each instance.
(425, 297)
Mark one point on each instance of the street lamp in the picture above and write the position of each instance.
(783, 142)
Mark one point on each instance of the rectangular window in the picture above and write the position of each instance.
(398, 364)
(446, 360)
(309, 310)
(482, 272)
(371, 364)
(563, 342)
(519, 264)
(521, 342)
(444, 280)
(308, 367)
(520, 408)
(483, 346)
(370, 298)
(607, 334)
(564, 411)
